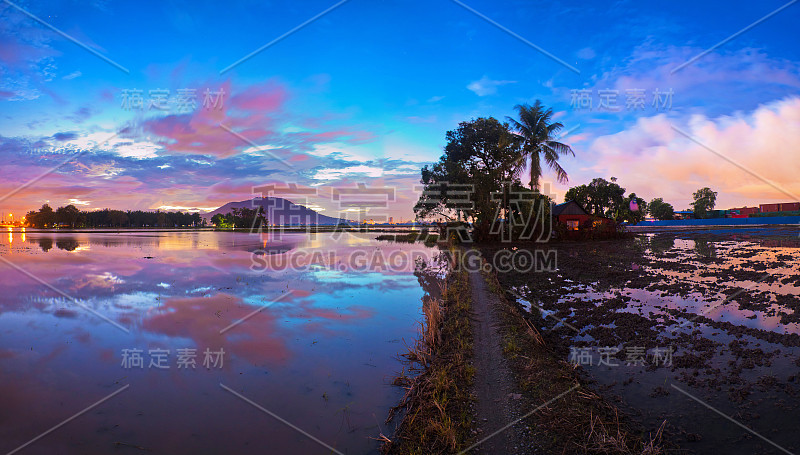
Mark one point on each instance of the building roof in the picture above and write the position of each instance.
(569, 208)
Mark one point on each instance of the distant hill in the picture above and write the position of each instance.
(281, 211)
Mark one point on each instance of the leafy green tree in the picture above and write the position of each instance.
(241, 218)
(539, 135)
(624, 212)
(600, 197)
(661, 210)
(704, 200)
(218, 220)
(477, 159)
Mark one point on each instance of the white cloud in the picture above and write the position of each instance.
(72, 75)
(361, 171)
(343, 152)
(258, 150)
(140, 150)
(485, 86)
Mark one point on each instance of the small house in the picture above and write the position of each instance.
(575, 217)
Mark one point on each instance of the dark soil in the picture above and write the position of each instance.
(724, 301)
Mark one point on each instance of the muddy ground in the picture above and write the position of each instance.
(700, 328)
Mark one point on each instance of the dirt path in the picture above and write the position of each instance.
(494, 384)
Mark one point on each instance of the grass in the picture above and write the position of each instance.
(581, 422)
(411, 237)
(436, 408)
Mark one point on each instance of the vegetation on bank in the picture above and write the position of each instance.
(435, 412)
(411, 237)
(241, 218)
(580, 422)
(73, 218)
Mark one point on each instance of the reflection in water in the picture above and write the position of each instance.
(313, 345)
(705, 248)
(45, 243)
(727, 305)
(67, 244)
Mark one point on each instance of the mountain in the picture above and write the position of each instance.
(281, 212)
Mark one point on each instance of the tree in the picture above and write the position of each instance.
(600, 198)
(627, 214)
(68, 215)
(45, 217)
(477, 159)
(538, 136)
(704, 200)
(218, 220)
(661, 210)
(476, 178)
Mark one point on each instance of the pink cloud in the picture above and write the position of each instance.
(269, 97)
(654, 160)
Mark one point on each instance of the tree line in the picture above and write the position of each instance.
(478, 178)
(71, 217)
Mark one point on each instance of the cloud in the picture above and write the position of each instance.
(67, 136)
(360, 170)
(257, 114)
(485, 86)
(72, 75)
(654, 160)
(81, 114)
(717, 83)
(587, 53)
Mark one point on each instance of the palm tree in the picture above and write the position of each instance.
(538, 136)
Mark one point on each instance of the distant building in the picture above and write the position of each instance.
(781, 207)
(576, 217)
(684, 214)
(742, 212)
(391, 220)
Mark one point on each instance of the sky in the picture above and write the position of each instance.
(188, 105)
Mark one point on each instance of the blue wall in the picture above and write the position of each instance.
(726, 221)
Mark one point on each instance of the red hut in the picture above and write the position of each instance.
(577, 218)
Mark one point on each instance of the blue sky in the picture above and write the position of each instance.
(365, 94)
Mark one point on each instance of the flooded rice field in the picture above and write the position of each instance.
(201, 342)
(700, 329)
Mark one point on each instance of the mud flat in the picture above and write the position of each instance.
(698, 327)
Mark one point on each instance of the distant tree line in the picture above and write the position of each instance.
(71, 217)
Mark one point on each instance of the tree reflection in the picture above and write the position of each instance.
(46, 244)
(659, 244)
(704, 248)
(67, 244)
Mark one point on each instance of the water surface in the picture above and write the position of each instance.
(305, 340)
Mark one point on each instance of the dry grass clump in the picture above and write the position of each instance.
(610, 437)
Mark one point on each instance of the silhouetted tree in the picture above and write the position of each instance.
(539, 136)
